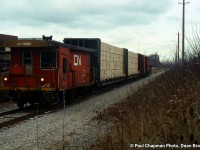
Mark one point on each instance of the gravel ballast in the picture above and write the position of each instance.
(73, 124)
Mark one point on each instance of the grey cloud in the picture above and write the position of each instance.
(83, 14)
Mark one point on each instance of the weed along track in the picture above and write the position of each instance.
(165, 111)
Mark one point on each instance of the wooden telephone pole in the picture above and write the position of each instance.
(178, 49)
(183, 31)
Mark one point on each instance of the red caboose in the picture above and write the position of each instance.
(41, 70)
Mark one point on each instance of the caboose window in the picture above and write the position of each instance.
(27, 57)
(48, 59)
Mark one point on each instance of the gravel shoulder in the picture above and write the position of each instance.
(72, 126)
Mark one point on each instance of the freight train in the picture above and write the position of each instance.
(45, 70)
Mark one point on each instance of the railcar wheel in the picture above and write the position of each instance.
(32, 104)
(48, 99)
(4, 97)
(21, 104)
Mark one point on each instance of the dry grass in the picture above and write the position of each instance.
(165, 111)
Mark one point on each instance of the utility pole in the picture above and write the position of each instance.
(183, 30)
(178, 48)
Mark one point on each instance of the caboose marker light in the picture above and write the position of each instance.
(42, 79)
(5, 79)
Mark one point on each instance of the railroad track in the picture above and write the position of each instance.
(14, 116)
(8, 112)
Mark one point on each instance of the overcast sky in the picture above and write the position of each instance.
(145, 26)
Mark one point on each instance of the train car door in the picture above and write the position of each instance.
(64, 69)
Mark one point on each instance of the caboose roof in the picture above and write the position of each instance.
(73, 47)
(44, 43)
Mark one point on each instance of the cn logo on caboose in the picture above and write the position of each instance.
(77, 60)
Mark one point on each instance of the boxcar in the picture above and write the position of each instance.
(44, 69)
(147, 66)
(143, 65)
